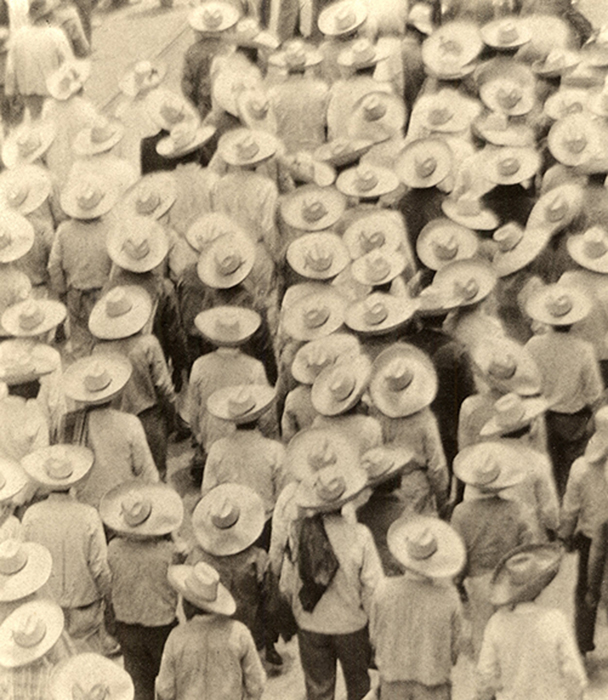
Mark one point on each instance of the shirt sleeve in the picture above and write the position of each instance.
(254, 677)
(166, 681)
(159, 371)
(98, 556)
(142, 463)
(437, 470)
(597, 560)
(210, 473)
(592, 383)
(196, 409)
(569, 659)
(371, 574)
(487, 675)
(55, 269)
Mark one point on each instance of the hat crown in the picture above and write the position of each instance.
(399, 375)
(317, 359)
(203, 581)
(595, 242)
(339, 146)
(118, 303)
(313, 210)
(97, 378)
(507, 237)
(344, 18)
(497, 121)
(30, 316)
(376, 311)
(316, 315)
(509, 97)
(18, 194)
(225, 513)
(102, 131)
(378, 267)
(438, 116)
(509, 166)
(147, 201)
(135, 509)
(295, 55)
(183, 135)
(521, 567)
(212, 17)
(329, 484)
(445, 245)
(503, 367)
(29, 632)
(559, 305)
(575, 143)
(426, 167)
(342, 384)
(172, 113)
(142, 71)
(58, 469)
(466, 289)
(241, 402)
(100, 691)
(227, 262)
(228, 325)
(374, 108)
(28, 142)
(449, 45)
(322, 455)
(507, 32)
(259, 107)
(487, 472)
(377, 462)
(136, 245)
(247, 147)
(421, 545)
(319, 257)
(13, 557)
(365, 179)
(557, 208)
(89, 197)
(371, 239)
(468, 205)
(509, 411)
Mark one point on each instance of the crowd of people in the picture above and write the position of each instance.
(358, 268)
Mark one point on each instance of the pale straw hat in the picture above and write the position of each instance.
(120, 313)
(12, 479)
(574, 139)
(246, 147)
(590, 249)
(378, 267)
(566, 101)
(506, 33)
(468, 210)
(227, 261)
(139, 244)
(315, 314)
(340, 387)
(228, 326)
(385, 462)
(97, 379)
(342, 17)
(142, 77)
(213, 16)
(24, 568)
(510, 166)
(380, 313)
(89, 198)
(331, 487)
(316, 448)
(28, 142)
(442, 241)
(200, 585)
(362, 54)
(241, 403)
(316, 355)
(29, 632)
(318, 255)
(58, 467)
(185, 138)
(68, 79)
(152, 196)
(21, 363)
(312, 208)
(168, 109)
(507, 366)
(559, 304)
(25, 188)
(372, 231)
(451, 48)
(490, 466)
(91, 676)
(511, 413)
(99, 138)
(465, 282)
(367, 181)
(499, 130)
(16, 236)
(424, 163)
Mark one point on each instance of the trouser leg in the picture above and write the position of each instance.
(354, 653)
(318, 658)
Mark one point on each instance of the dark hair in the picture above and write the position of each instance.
(190, 610)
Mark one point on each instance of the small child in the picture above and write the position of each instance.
(416, 619)
(143, 516)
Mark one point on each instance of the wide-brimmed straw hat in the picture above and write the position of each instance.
(524, 573)
(511, 413)
(559, 304)
(338, 388)
(227, 261)
(152, 196)
(496, 128)
(316, 355)
(556, 63)
(241, 403)
(378, 267)
(29, 632)
(228, 519)
(318, 255)
(228, 326)
(33, 317)
(28, 142)
(367, 181)
(185, 138)
(168, 109)
(315, 314)
(142, 77)
(21, 363)
(25, 188)
(566, 101)
(248, 33)
(208, 227)
(506, 33)
(296, 56)
(58, 466)
(120, 313)
(427, 546)
(362, 54)
(89, 197)
(139, 509)
(451, 48)
(442, 241)
(373, 231)
(316, 448)
(97, 379)
(506, 86)
(312, 208)
(468, 210)
(256, 110)
(465, 282)
(12, 479)
(590, 249)
(424, 163)
(89, 675)
(446, 111)
(330, 487)
(574, 139)
(421, 17)
(376, 116)
(385, 462)
(200, 585)
(16, 236)
(140, 244)
(380, 313)
(557, 208)
(24, 568)
(304, 168)
(246, 146)
(68, 79)
(507, 366)
(342, 17)
(510, 166)
(213, 16)
(490, 466)
(403, 381)
(99, 138)
(342, 151)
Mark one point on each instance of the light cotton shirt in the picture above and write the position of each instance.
(527, 653)
(364, 432)
(585, 505)
(210, 657)
(73, 534)
(594, 327)
(298, 413)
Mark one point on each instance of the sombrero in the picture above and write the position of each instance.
(372, 231)
(16, 236)
(319, 255)
(451, 48)
(506, 86)
(12, 479)
(96, 379)
(312, 208)
(342, 17)
(316, 448)
(91, 676)
(29, 632)
(208, 227)
(185, 138)
(507, 366)
(446, 111)
(315, 314)
(256, 111)
(442, 241)
(242, 403)
(120, 313)
(152, 196)
(21, 362)
(380, 313)
(378, 267)
(227, 261)
(340, 387)
(25, 188)
(574, 139)
(24, 568)
(68, 79)
(465, 282)
(590, 249)
(510, 166)
(246, 147)
(228, 326)
(33, 317)
(362, 54)
(556, 63)
(341, 151)
(313, 357)
(27, 143)
(506, 33)
(516, 247)
(304, 168)
(367, 181)
(385, 462)
(168, 109)
(200, 585)
(424, 163)
(559, 304)
(490, 466)
(58, 467)
(468, 210)
(403, 381)
(248, 33)
(213, 16)
(496, 128)
(566, 101)
(511, 413)
(89, 198)
(331, 487)
(142, 77)
(376, 116)
(99, 138)
(296, 56)
(139, 244)
(557, 208)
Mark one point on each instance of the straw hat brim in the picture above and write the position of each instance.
(515, 135)
(326, 20)
(490, 33)
(297, 250)
(351, 152)
(403, 460)
(574, 122)
(162, 184)
(459, 118)
(80, 458)
(526, 380)
(485, 220)
(39, 187)
(532, 243)
(231, 540)
(329, 298)
(14, 478)
(157, 241)
(54, 313)
(157, 98)
(581, 306)
(312, 58)
(400, 311)
(22, 236)
(32, 576)
(347, 58)
(230, 16)
(571, 60)
(393, 235)
(573, 196)
(10, 149)
(297, 458)
(421, 149)
(321, 396)
(558, 105)
(466, 34)
(307, 497)
(61, 93)
(71, 206)
(598, 103)
(85, 146)
(310, 171)
(128, 86)
(360, 270)
(291, 207)
(89, 670)
(41, 358)
(218, 403)
(481, 271)
(213, 223)
(166, 515)
(379, 130)
(529, 160)
(249, 322)
(166, 148)
(446, 562)
(419, 394)
(466, 240)
(224, 604)
(11, 654)
(116, 365)
(576, 249)
(208, 273)
(512, 458)
(387, 182)
(106, 327)
(504, 592)
(267, 146)
(488, 92)
(337, 346)
(533, 407)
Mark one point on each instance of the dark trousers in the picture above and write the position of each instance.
(584, 616)
(319, 654)
(142, 649)
(157, 434)
(567, 437)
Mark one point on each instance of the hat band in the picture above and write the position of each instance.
(227, 518)
(331, 490)
(27, 639)
(318, 261)
(58, 469)
(17, 196)
(559, 306)
(31, 319)
(376, 314)
(376, 468)
(326, 457)
(447, 250)
(314, 211)
(342, 389)
(366, 183)
(136, 250)
(240, 407)
(576, 144)
(88, 202)
(315, 318)
(246, 150)
(400, 381)
(374, 113)
(172, 115)
(147, 205)
(371, 240)
(212, 19)
(466, 291)
(204, 590)
(521, 569)
(13, 564)
(503, 369)
(345, 19)
(101, 134)
(426, 168)
(5, 240)
(422, 548)
(28, 145)
(228, 264)
(136, 513)
(94, 383)
(595, 249)
(118, 307)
